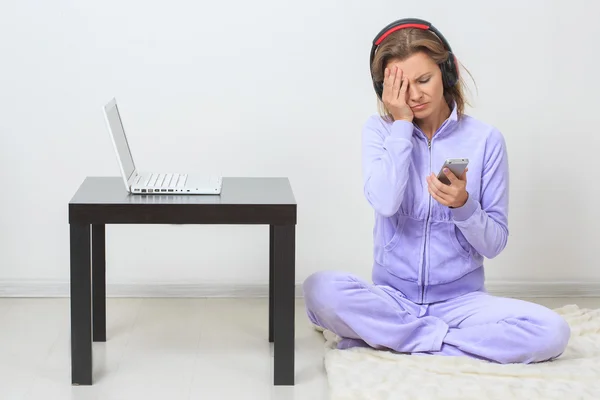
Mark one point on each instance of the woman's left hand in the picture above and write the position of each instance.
(454, 195)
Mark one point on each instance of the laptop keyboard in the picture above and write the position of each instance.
(166, 180)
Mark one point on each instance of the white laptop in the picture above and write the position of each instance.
(152, 182)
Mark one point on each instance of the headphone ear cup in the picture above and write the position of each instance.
(450, 72)
(455, 67)
(378, 89)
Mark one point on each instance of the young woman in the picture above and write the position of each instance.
(430, 239)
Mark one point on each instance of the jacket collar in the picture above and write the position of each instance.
(454, 114)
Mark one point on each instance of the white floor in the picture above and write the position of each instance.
(163, 349)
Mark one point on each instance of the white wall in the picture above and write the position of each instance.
(288, 87)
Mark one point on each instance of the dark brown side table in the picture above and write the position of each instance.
(103, 200)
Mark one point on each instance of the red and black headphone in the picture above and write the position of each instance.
(449, 67)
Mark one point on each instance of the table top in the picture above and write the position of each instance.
(111, 190)
(242, 200)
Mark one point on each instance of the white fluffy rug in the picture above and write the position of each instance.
(362, 373)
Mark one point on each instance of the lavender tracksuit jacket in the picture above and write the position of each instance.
(428, 251)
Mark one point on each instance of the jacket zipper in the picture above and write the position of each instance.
(425, 263)
(426, 247)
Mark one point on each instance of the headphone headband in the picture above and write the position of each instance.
(409, 23)
(449, 68)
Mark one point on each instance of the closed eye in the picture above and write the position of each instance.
(424, 80)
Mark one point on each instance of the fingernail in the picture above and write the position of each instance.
(445, 169)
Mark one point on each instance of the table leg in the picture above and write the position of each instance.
(284, 257)
(81, 305)
(99, 282)
(271, 277)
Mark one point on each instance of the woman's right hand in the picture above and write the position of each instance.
(394, 95)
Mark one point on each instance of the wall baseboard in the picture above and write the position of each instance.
(195, 290)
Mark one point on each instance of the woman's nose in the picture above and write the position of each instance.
(414, 92)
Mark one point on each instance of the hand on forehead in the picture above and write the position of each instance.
(415, 67)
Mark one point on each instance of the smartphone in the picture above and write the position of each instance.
(456, 165)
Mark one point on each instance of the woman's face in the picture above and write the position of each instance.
(425, 93)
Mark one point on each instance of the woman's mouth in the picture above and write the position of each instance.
(419, 107)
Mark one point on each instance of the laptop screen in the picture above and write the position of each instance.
(118, 133)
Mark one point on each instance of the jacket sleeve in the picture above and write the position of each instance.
(386, 157)
(484, 221)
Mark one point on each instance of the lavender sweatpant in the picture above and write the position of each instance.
(477, 325)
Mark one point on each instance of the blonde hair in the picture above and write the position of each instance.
(403, 44)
